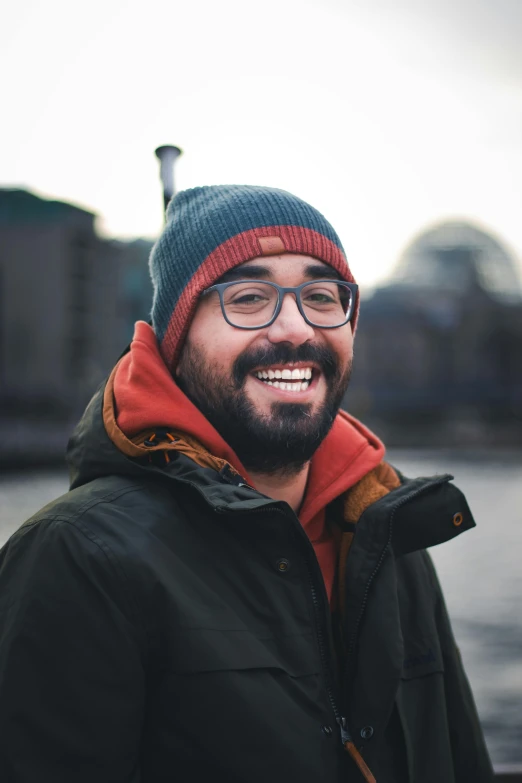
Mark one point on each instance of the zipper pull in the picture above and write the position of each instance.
(230, 476)
(345, 734)
(354, 753)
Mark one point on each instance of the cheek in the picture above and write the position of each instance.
(341, 342)
(204, 340)
(215, 342)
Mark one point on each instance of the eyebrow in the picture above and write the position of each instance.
(317, 272)
(255, 272)
(245, 273)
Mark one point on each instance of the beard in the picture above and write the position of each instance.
(281, 442)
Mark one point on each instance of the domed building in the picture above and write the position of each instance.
(458, 257)
(441, 341)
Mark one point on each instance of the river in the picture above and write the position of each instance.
(480, 571)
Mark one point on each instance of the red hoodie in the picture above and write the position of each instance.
(146, 397)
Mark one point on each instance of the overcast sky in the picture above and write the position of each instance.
(388, 115)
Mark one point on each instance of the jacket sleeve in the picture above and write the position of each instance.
(470, 756)
(71, 670)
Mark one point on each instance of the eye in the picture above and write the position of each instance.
(247, 298)
(249, 295)
(321, 295)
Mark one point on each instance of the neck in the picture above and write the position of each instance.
(288, 488)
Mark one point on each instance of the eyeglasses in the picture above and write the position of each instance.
(252, 304)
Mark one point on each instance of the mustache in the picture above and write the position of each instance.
(284, 354)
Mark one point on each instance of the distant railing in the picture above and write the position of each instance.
(506, 774)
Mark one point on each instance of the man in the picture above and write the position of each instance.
(236, 586)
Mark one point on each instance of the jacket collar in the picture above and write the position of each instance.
(383, 504)
(421, 512)
(386, 511)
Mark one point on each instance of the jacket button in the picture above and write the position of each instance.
(282, 565)
(458, 519)
(367, 732)
(327, 730)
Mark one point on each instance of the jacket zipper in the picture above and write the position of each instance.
(435, 483)
(322, 648)
(346, 739)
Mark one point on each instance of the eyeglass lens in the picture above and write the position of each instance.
(253, 304)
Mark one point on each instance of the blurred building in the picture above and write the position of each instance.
(438, 351)
(67, 303)
(437, 356)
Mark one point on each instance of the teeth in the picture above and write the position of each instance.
(303, 375)
(284, 386)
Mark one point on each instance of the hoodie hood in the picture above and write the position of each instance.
(141, 410)
(141, 396)
(146, 396)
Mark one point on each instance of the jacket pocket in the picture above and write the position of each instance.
(423, 712)
(422, 656)
(209, 650)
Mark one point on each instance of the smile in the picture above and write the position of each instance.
(291, 379)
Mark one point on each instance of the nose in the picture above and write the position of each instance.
(290, 326)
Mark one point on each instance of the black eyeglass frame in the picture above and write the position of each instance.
(281, 291)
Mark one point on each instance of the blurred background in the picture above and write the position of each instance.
(400, 121)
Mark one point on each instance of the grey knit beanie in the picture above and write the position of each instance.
(209, 230)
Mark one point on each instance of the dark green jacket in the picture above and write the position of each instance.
(163, 623)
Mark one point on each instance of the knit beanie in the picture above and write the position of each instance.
(210, 230)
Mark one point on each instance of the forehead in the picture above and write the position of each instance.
(273, 267)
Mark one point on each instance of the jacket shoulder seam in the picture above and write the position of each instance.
(110, 556)
(76, 522)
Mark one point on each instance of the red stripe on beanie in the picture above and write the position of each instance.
(235, 251)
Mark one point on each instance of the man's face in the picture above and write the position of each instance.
(271, 429)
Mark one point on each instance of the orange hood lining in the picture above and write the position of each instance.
(134, 447)
(375, 485)
(348, 464)
(370, 488)
(142, 396)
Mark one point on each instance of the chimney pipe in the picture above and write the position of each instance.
(167, 154)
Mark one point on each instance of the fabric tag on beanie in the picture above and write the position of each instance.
(271, 246)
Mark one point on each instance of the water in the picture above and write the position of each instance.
(480, 572)
(481, 575)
